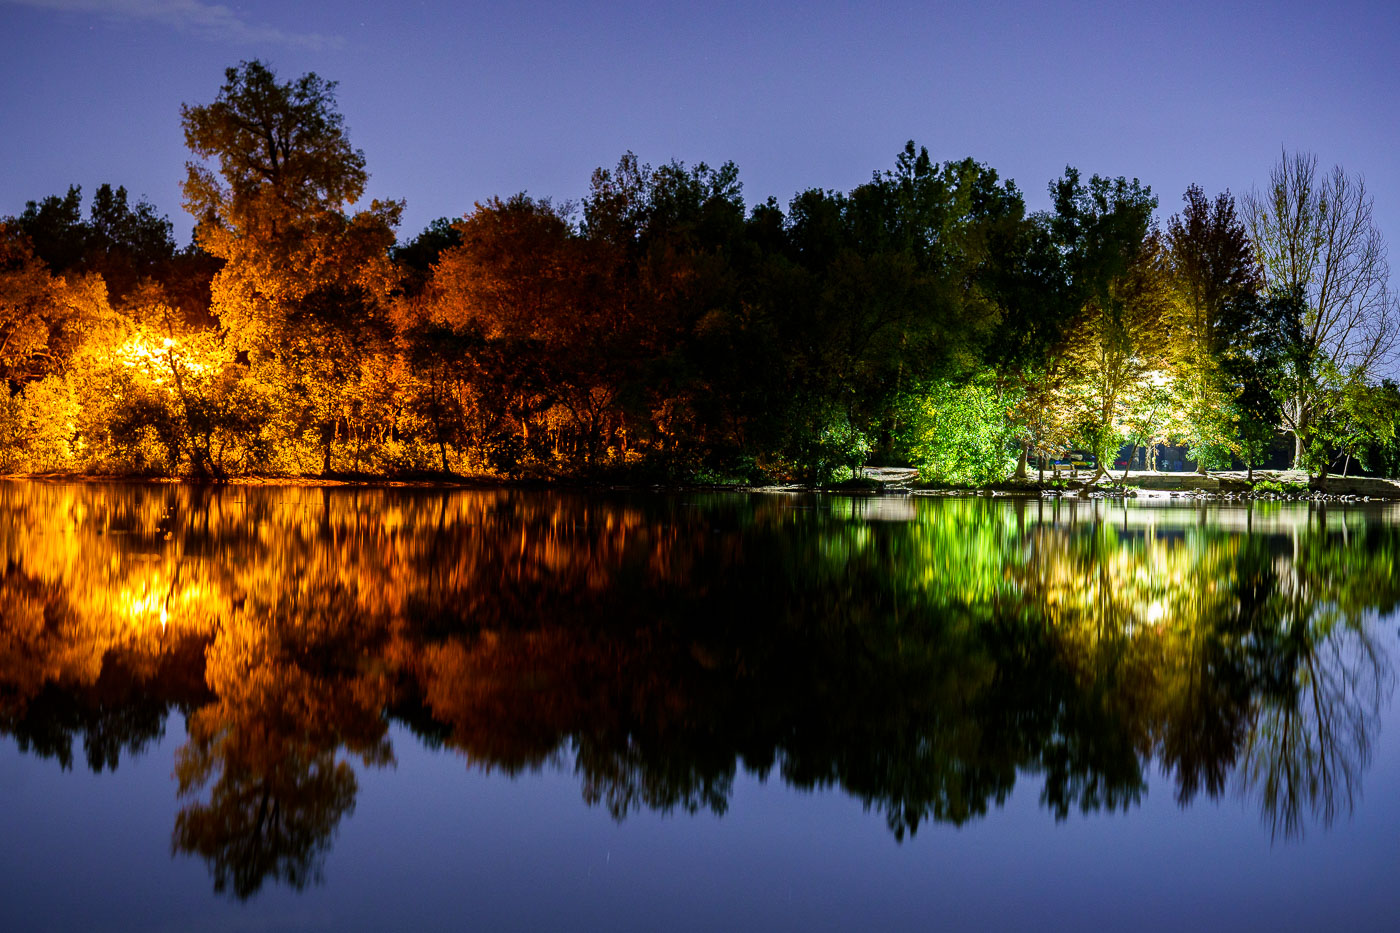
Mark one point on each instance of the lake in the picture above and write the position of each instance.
(288, 708)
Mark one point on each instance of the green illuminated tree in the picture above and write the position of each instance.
(1380, 450)
(1118, 273)
(1216, 278)
(887, 291)
(962, 433)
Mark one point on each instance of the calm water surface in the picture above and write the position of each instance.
(269, 708)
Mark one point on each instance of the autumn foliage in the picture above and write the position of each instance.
(662, 330)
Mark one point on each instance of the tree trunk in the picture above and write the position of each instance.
(437, 427)
(1021, 462)
(1128, 464)
(1299, 433)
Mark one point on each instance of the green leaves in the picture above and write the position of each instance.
(961, 433)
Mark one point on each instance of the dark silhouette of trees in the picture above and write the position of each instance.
(124, 244)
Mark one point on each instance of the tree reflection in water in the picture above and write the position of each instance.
(657, 646)
(292, 696)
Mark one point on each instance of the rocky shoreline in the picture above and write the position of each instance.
(1267, 486)
(1224, 486)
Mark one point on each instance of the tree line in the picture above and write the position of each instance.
(663, 330)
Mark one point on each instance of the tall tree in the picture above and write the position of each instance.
(276, 209)
(513, 297)
(1116, 262)
(896, 291)
(1026, 278)
(1314, 232)
(305, 282)
(1216, 278)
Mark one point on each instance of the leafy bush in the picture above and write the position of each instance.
(1281, 488)
(822, 441)
(960, 433)
(49, 415)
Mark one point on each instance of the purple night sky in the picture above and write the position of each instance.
(456, 102)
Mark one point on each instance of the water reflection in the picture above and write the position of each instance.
(924, 664)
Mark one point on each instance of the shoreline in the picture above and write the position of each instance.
(1211, 487)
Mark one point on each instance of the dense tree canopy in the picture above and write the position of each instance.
(663, 330)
